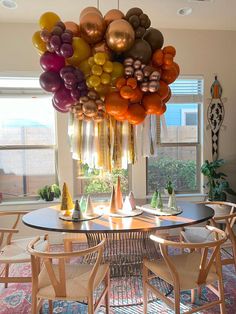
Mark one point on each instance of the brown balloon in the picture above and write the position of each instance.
(154, 37)
(92, 27)
(113, 15)
(141, 50)
(73, 27)
(89, 10)
(120, 35)
(101, 47)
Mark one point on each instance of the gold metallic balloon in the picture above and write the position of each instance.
(89, 10)
(92, 27)
(113, 15)
(120, 35)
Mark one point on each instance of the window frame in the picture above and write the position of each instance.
(186, 99)
(28, 92)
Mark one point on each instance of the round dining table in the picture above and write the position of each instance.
(127, 240)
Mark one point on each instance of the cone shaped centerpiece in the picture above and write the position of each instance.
(127, 208)
(77, 214)
(83, 203)
(89, 207)
(66, 201)
(172, 200)
(132, 200)
(118, 194)
(113, 207)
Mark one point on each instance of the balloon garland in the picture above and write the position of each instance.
(110, 69)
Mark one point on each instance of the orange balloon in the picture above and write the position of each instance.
(152, 103)
(157, 58)
(169, 76)
(73, 27)
(92, 27)
(162, 109)
(165, 100)
(170, 49)
(163, 90)
(137, 96)
(176, 66)
(89, 10)
(126, 92)
(113, 15)
(135, 114)
(115, 104)
(121, 81)
(132, 82)
(168, 59)
(120, 117)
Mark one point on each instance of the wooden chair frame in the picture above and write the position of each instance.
(204, 269)
(59, 284)
(6, 235)
(229, 221)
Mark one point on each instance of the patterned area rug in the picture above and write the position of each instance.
(17, 299)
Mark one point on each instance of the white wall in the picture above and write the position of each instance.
(203, 53)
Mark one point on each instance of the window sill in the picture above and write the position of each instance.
(28, 202)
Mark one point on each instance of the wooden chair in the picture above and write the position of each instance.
(12, 251)
(187, 271)
(68, 281)
(225, 216)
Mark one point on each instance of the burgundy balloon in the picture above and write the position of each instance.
(51, 62)
(55, 42)
(50, 81)
(66, 50)
(66, 69)
(66, 38)
(70, 78)
(62, 98)
(63, 110)
(75, 94)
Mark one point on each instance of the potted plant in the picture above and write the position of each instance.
(49, 192)
(217, 185)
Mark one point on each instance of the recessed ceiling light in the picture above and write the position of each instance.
(185, 11)
(9, 4)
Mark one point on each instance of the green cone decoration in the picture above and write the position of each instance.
(159, 203)
(154, 199)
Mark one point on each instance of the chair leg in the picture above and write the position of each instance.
(34, 304)
(50, 306)
(232, 238)
(177, 300)
(145, 291)
(6, 274)
(107, 296)
(90, 305)
(221, 295)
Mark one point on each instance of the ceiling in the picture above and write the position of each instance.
(206, 14)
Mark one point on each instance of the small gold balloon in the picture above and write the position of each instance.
(92, 27)
(113, 15)
(90, 108)
(120, 35)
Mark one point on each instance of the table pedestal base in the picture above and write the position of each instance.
(125, 253)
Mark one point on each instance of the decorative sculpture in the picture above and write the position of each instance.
(215, 116)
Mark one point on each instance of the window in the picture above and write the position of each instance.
(179, 154)
(27, 138)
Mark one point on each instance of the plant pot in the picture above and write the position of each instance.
(50, 198)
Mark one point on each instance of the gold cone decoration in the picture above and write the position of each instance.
(113, 208)
(66, 200)
(118, 194)
(89, 207)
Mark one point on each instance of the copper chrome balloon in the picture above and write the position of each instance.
(113, 15)
(120, 35)
(92, 27)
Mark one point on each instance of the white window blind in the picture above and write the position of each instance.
(187, 90)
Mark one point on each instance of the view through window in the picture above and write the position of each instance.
(27, 138)
(178, 157)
